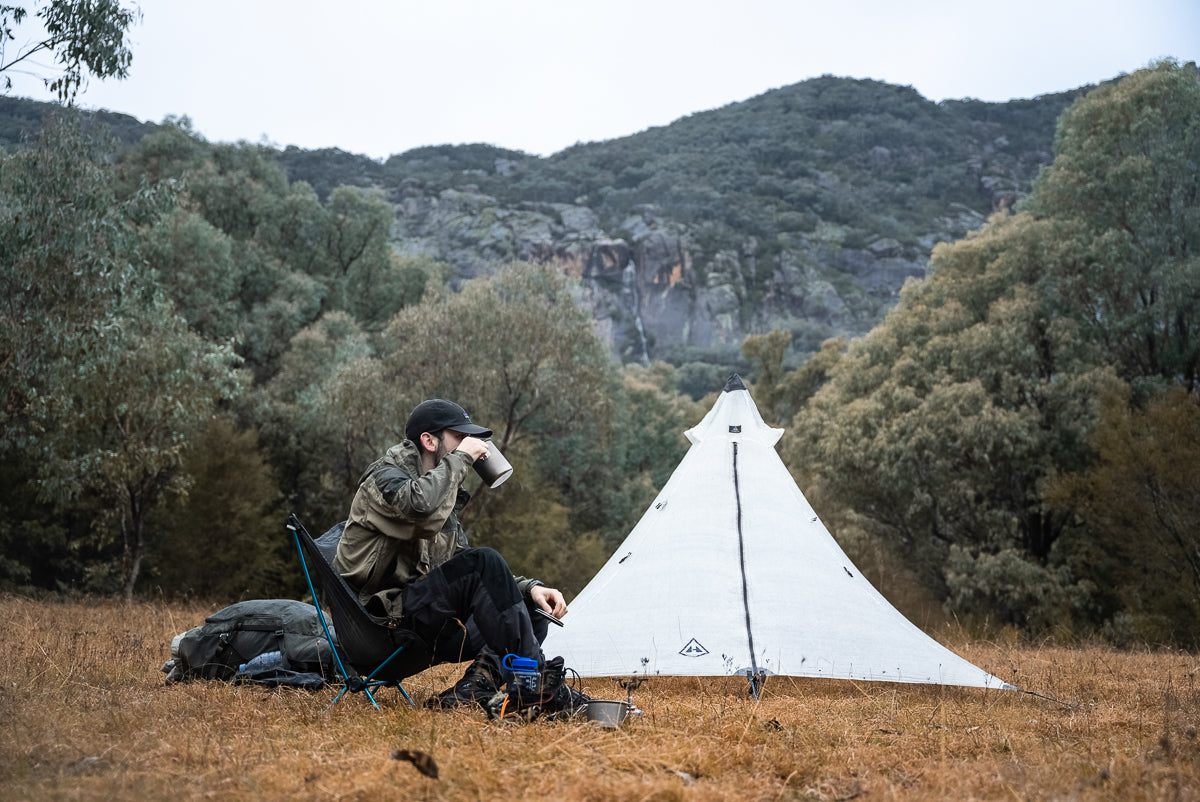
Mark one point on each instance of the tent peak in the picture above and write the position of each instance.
(734, 417)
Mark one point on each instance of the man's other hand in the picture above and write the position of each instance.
(549, 599)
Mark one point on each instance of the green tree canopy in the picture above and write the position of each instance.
(1138, 504)
(125, 419)
(67, 242)
(103, 380)
(253, 257)
(524, 359)
(1123, 197)
(945, 424)
(518, 346)
(223, 541)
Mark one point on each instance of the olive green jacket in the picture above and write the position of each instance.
(403, 523)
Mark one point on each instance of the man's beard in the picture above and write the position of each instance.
(441, 451)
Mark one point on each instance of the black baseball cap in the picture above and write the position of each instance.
(438, 414)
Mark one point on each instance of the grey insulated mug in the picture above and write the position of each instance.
(492, 467)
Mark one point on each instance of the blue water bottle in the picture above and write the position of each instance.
(526, 673)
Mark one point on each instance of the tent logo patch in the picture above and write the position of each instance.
(693, 649)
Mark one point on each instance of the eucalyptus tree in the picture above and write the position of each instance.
(64, 240)
(102, 380)
(517, 348)
(1123, 197)
(125, 421)
(67, 241)
(82, 36)
(523, 358)
(195, 265)
(309, 424)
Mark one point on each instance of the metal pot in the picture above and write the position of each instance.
(607, 712)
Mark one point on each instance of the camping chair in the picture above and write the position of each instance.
(364, 642)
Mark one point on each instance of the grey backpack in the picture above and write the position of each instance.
(234, 636)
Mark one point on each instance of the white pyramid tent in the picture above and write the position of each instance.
(731, 572)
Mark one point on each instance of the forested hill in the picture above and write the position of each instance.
(21, 120)
(805, 208)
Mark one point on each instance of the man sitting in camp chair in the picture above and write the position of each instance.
(405, 554)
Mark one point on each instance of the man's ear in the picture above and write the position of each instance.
(429, 442)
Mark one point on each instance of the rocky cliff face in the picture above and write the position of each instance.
(650, 283)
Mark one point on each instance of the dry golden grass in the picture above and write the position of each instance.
(85, 715)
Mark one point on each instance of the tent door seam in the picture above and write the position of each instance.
(737, 495)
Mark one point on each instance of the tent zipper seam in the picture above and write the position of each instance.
(737, 495)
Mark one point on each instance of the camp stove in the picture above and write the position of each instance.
(630, 685)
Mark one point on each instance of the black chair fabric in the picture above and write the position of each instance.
(328, 542)
(364, 641)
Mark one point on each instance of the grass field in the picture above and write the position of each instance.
(85, 715)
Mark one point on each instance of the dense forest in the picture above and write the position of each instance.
(195, 339)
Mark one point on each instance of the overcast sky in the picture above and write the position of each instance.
(379, 78)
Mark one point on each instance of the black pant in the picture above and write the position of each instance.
(470, 607)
